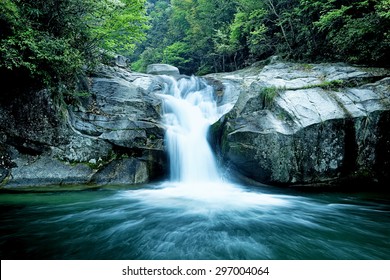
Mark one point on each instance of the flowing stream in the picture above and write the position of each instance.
(197, 214)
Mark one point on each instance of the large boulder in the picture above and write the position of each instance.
(112, 137)
(123, 171)
(162, 69)
(300, 124)
(125, 113)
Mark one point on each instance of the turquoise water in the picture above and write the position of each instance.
(172, 221)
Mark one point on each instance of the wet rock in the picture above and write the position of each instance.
(125, 113)
(295, 124)
(162, 69)
(31, 122)
(82, 149)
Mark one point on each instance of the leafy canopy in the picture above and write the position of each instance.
(224, 35)
(46, 42)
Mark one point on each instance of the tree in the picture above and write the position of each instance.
(177, 54)
(225, 35)
(117, 25)
(48, 42)
(357, 31)
(249, 32)
(193, 24)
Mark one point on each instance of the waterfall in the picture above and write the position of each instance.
(189, 110)
(196, 184)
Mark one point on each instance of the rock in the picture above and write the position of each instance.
(124, 113)
(291, 124)
(162, 69)
(121, 119)
(45, 171)
(31, 122)
(122, 172)
(295, 124)
(124, 116)
(82, 149)
(121, 61)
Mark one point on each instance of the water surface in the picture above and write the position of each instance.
(176, 221)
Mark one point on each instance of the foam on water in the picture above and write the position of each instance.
(206, 198)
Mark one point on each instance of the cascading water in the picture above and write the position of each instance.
(190, 109)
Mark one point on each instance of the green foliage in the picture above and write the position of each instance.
(117, 25)
(27, 46)
(47, 43)
(176, 54)
(151, 50)
(227, 35)
(268, 94)
(192, 24)
(383, 9)
(357, 32)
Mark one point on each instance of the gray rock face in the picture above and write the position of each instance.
(162, 69)
(31, 122)
(121, 61)
(120, 172)
(114, 137)
(124, 112)
(308, 124)
(45, 170)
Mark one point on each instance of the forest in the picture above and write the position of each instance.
(50, 42)
(203, 36)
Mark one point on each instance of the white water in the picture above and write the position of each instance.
(195, 182)
(190, 109)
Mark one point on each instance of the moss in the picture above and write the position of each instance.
(282, 115)
(337, 84)
(268, 95)
(304, 67)
(100, 162)
(152, 137)
(328, 85)
(81, 94)
(93, 163)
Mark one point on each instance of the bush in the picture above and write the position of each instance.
(268, 94)
(46, 43)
